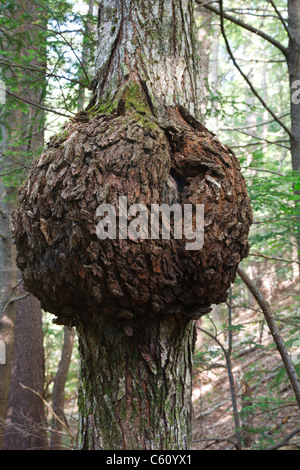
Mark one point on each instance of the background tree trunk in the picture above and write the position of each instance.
(8, 279)
(58, 394)
(25, 423)
(294, 74)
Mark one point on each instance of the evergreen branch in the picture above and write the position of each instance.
(244, 25)
(254, 91)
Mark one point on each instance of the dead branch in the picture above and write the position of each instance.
(284, 441)
(271, 321)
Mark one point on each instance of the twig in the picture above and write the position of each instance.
(254, 91)
(9, 172)
(37, 105)
(247, 26)
(259, 255)
(218, 440)
(281, 18)
(50, 408)
(285, 440)
(265, 171)
(8, 157)
(16, 299)
(270, 319)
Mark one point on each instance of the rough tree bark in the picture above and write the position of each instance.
(134, 302)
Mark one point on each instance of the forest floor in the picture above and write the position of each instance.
(263, 391)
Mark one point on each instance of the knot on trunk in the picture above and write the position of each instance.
(97, 160)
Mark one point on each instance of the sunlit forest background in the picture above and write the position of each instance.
(46, 57)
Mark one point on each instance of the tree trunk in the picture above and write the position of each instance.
(294, 75)
(58, 394)
(136, 385)
(85, 56)
(8, 279)
(25, 422)
(153, 43)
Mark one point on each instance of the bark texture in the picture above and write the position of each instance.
(143, 375)
(153, 43)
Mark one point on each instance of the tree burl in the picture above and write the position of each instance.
(99, 157)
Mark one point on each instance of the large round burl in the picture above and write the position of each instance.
(96, 160)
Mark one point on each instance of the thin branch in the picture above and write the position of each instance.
(247, 26)
(36, 105)
(281, 18)
(259, 255)
(16, 299)
(218, 440)
(50, 408)
(270, 319)
(254, 91)
(285, 440)
(8, 157)
(254, 125)
(9, 172)
(265, 171)
(3, 237)
(42, 71)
